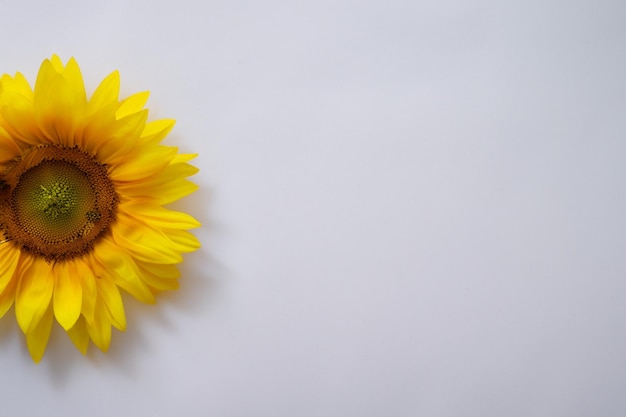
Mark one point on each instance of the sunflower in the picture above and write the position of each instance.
(83, 184)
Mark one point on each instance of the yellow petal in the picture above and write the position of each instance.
(156, 131)
(18, 85)
(123, 138)
(183, 158)
(159, 217)
(167, 186)
(79, 335)
(132, 104)
(7, 297)
(60, 109)
(100, 120)
(37, 338)
(83, 270)
(75, 83)
(8, 148)
(97, 129)
(9, 259)
(161, 270)
(113, 302)
(144, 243)
(16, 110)
(121, 268)
(149, 161)
(183, 240)
(106, 94)
(47, 73)
(52, 117)
(34, 293)
(158, 282)
(67, 296)
(170, 186)
(162, 192)
(100, 328)
(57, 64)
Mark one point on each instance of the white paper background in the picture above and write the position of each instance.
(410, 208)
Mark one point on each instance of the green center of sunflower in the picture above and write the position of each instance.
(53, 199)
(56, 200)
(59, 203)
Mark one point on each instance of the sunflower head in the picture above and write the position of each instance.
(83, 184)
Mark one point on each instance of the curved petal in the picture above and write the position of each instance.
(57, 64)
(60, 105)
(79, 335)
(18, 84)
(157, 282)
(9, 260)
(16, 110)
(159, 217)
(34, 293)
(162, 192)
(9, 281)
(99, 328)
(121, 268)
(150, 161)
(75, 83)
(37, 338)
(106, 93)
(167, 186)
(7, 297)
(132, 104)
(47, 73)
(67, 296)
(113, 301)
(144, 243)
(161, 270)
(183, 240)
(156, 131)
(83, 270)
(8, 148)
(123, 138)
(100, 120)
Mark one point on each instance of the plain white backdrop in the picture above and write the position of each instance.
(409, 208)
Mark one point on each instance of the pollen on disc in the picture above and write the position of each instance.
(53, 201)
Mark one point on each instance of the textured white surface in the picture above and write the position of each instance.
(410, 208)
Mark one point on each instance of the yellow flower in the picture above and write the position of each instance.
(83, 183)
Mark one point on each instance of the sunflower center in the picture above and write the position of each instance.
(53, 199)
(56, 200)
(59, 202)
